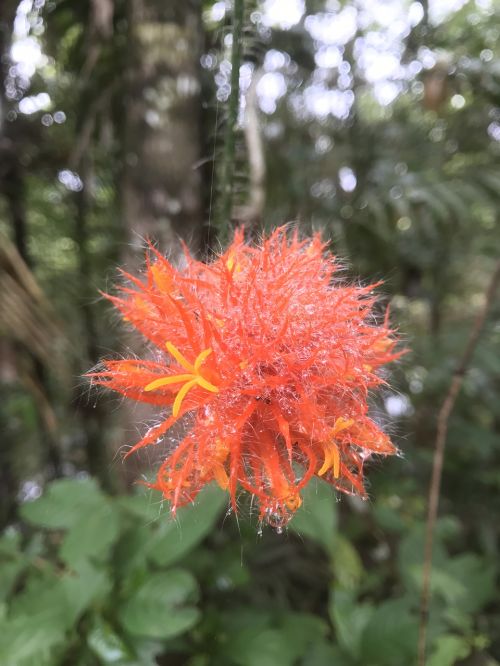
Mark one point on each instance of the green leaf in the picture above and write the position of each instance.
(131, 552)
(349, 619)
(457, 620)
(9, 572)
(63, 503)
(451, 194)
(38, 621)
(478, 579)
(425, 195)
(317, 517)
(160, 606)
(41, 592)
(147, 506)
(70, 594)
(390, 635)
(10, 542)
(258, 639)
(240, 618)
(387, 517)
(347, 564)
(106, 644)
(92, 536)
(303, 630)
(260, 647)
(442, 583)
(324, 653)
(12, 561)
(84, 587)
(466, 582)
(24, 637)
(175, 538)
(449, 649)
(410, 556)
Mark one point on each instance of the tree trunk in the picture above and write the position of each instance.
(161, 188)
(161, 193)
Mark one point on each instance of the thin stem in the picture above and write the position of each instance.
(227, 180)
(256, 158)
(439, 450)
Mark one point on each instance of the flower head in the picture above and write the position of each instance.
(268, 360)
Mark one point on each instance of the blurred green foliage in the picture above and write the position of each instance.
(91, 579)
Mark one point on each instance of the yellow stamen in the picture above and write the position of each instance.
(332, 455)
(181, 395)
(165, 381)
(181, 360)
(332, 459)
(200, 358)
(206, 385)
(194, 378)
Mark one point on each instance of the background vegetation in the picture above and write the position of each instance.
(378, 122)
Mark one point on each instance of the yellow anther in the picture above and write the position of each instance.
(194, 378)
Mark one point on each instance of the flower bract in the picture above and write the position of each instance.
(265, 359)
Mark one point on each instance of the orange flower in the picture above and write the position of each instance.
(268, 360)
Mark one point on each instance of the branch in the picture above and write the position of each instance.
(439, 449)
